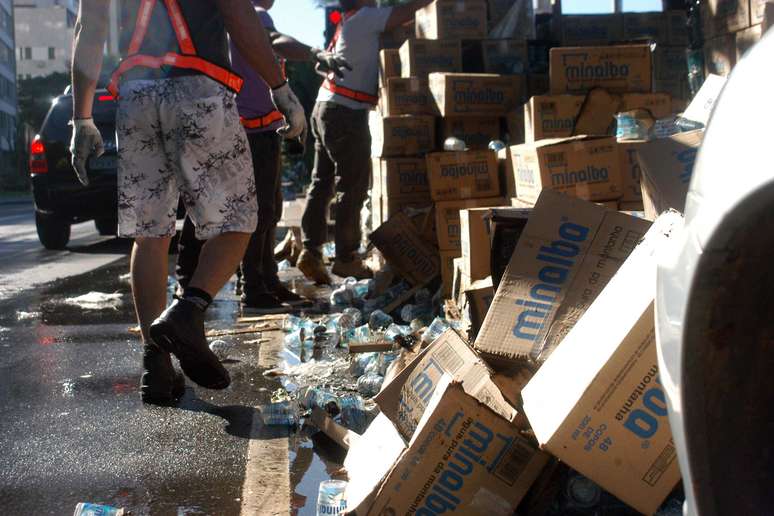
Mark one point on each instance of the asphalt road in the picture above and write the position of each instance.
(73, 428)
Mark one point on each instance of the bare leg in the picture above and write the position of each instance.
(149, 280)
(220, 257)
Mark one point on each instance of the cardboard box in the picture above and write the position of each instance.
(421, 477)
(597, 115)
(395, 38)
(583, 167)
(724, 16)
(407, 252)
(479, 296)
(474, 243)
(471, 94)
(405, 398)
(452, 19)
(745, 39)
(514, 123)
(403, 135)
(459, 283)
(505, 171)
(700, 108)
(406, 96)
(669, 62)
(566, 254)
(666, 165)
(476, 132)
(633, 208)
(420, 57)
(609, 419)
(678, 89)
(401, 177)
(447, 220)
(417, 207)
(618, 69)
(537, 84)
(645, 26)
(389, 65)
(720, 55)
(591, 29)
(506, 224)
(447, 271)
(505, 56)
(677, 28)
(462, 175)
(768, 17)
(758, 11)
(630, 171)
(659, 104)
(551, 116)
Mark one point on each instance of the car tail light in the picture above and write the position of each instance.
(38, 163)
(106, 98)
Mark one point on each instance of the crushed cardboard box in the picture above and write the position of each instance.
(666, 166)
(472, 94)
(584, 167)
(565, 255)
(452, 19)
(609, 418)
(447, 219)
(462, 175)
(475, 243)
(476, 132)
(618, 69)
(405, 398)
(403, 135)
(404, 248)
(462, 458)
(420, 57)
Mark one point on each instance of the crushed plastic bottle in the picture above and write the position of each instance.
(93, 509)
(361, 288)
(369, 384)
(353, 413)
(410, 312)
(355, 314)
(221, 348)
(496, 145)
(284, 265)
(436, 328)
(315, 397)
(379, 320)
(284, 413)
(361, 362)
(329, 250)
(452, 143)
(331, 498)
(342, 296)
(422, 297)
(394, 330)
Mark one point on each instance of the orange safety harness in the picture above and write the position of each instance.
(187, 58)
(260, 122)
(330, 85)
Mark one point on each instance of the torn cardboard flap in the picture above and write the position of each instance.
(567, 252)
(666, 167)
(609, 419)
(406, 250)
(342, 436)
(404, 400)
(463, 459)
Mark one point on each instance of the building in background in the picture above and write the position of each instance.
(8, 106)
(44, 36)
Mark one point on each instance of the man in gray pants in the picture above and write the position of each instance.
(342, 139)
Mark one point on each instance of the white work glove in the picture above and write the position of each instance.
(290, 107)
(329, 62)
(86, 142)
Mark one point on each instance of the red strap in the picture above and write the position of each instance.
(222, 75)
(260, 122)
(181, 27)
(141, 25)
(359, 96)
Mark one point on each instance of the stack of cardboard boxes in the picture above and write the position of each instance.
(730, 28)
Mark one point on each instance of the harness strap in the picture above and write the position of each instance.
(260, 122)
(359, 96)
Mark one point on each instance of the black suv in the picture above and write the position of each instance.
(60, 199)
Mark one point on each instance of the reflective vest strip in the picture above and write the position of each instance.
(141, 25)
(181, 27)
(359, 96)
(260, 122)
(222, 75)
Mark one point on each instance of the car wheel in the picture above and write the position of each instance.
(52, 233)
(106, 225)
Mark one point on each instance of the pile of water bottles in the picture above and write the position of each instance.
(319, 370)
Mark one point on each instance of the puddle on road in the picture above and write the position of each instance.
(313, 459)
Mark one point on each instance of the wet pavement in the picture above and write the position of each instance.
(74, 429)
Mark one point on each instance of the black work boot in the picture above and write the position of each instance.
(180, 331)
(160, 383)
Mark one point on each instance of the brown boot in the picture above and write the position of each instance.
(311, 265)
(353, 268)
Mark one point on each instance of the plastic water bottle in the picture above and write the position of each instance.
(452, 143)
(355, 314)
(394, 330)
(92, 509)
(331, 498)
(369, 384)
(353, 413)
(284, 413)
(496, 145)
(436, 328)
(361, 362)
(379, 320)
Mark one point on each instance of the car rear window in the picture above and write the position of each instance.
(56, 128)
